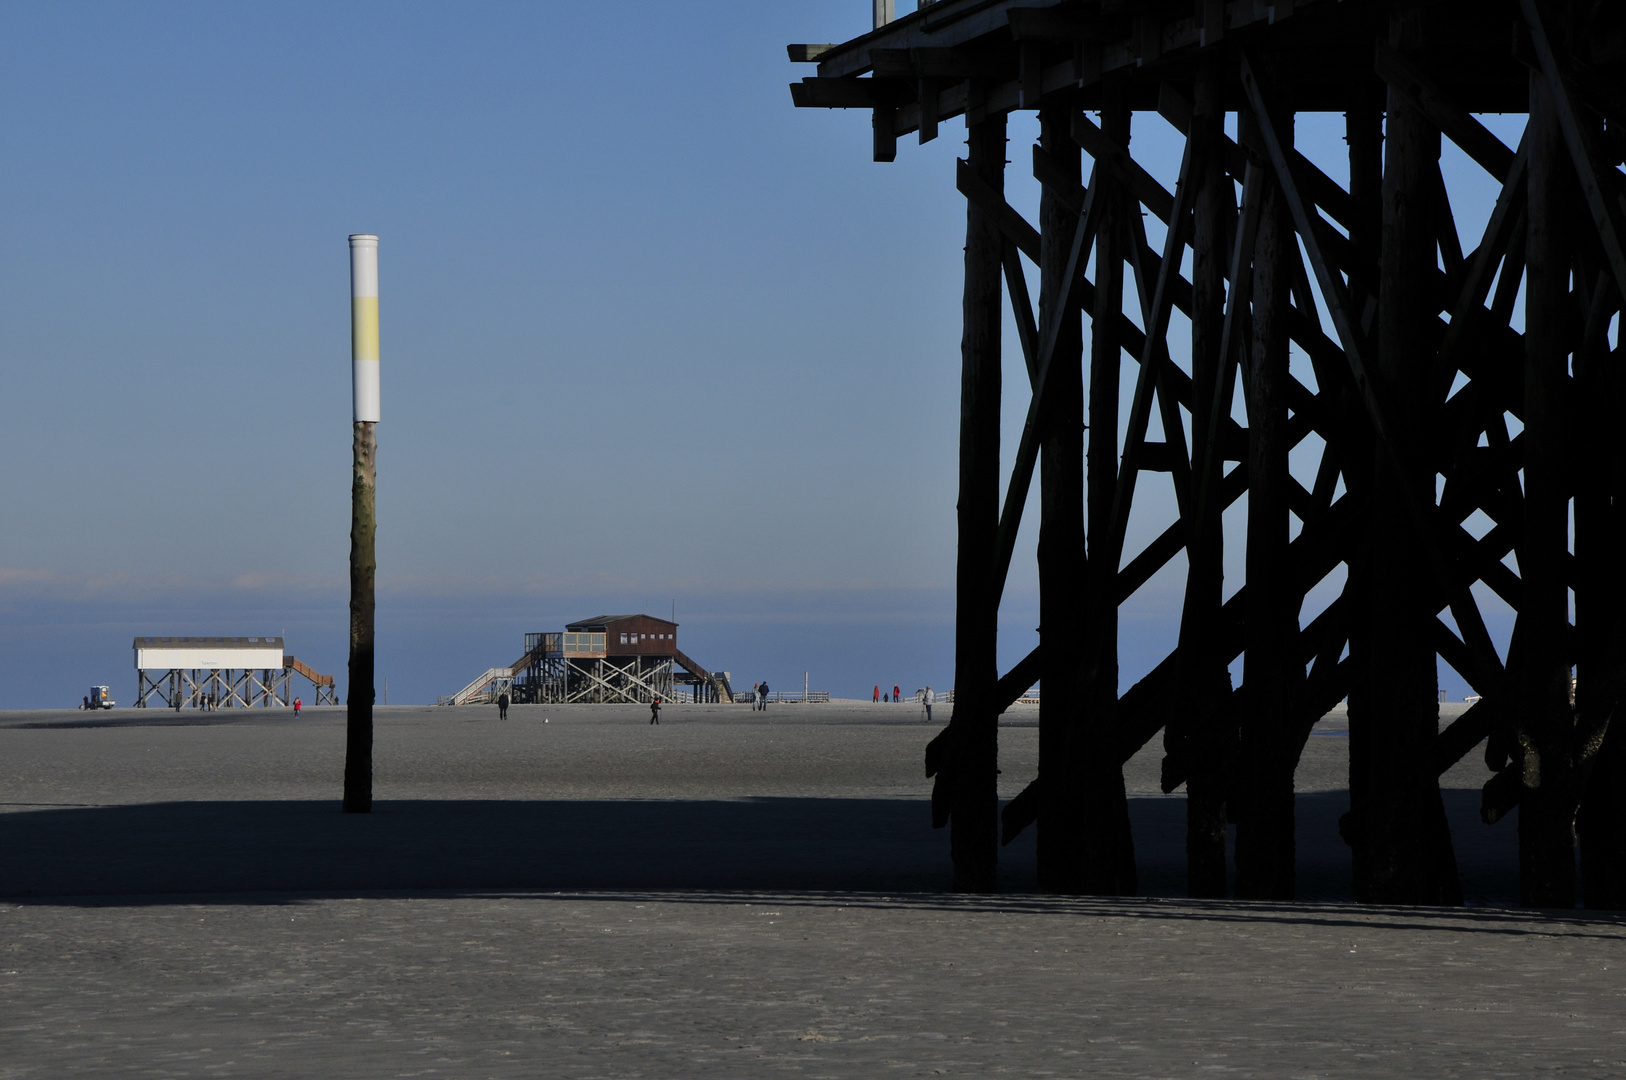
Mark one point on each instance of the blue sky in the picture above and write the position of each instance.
(649, 335)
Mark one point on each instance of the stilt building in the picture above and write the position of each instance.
(1405, 403)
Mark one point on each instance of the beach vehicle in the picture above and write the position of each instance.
(99, 699)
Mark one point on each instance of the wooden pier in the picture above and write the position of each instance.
(1456, 425)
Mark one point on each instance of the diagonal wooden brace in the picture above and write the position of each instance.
(1380, 412)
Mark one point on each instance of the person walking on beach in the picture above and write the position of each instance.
(297, 704)
(502, 706)
(876, 699)
(655, 711)
(762, 697)
(926, 699)
(895, 693)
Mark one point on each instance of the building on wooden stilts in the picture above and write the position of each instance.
(609, 659)
(1336, 314)
(222, 672)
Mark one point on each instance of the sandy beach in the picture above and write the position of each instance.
(732, 893)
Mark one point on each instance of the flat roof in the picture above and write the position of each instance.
(602, 621)
(206, 642)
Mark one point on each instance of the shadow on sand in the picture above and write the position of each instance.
(409, 846)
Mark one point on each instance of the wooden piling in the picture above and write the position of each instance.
(1397, 856)
(1061, 528)
(1197, 735)
(1363, 126)
(1271, 672)
(1600, 595)
(1108, 850)
(973, 746)
(1600, 602)
(358, 754)
(1545, 727)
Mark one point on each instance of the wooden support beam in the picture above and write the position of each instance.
(1052, 175)
(1212, 21)
(1450, 243)
(806, 54)
(1061, 554)
(1020, 812)
(1204, 726)
(817, 93)
(1272, 671)
(1198, 723)
(1108, 853)
(1602, 194)
(1313, 555)
(928, 104)
(1173, 107)
(1364, 134)
(937, 64)
(1015, 682)
(1467, 313)
(1407, 78)
(1053, 24)
(1155, 555)
(1545, 722)
(993, 204)
(1155, 353)
(1375, 397)
(1027, 330)
(885, 142)
(1127, 171)
(966, 792)
(1027, 450)
(1232, 330)
(1600, 598)
(1030, 72)
(1167, 378)
(1396, 857)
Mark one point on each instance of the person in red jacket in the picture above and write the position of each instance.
(877, 698)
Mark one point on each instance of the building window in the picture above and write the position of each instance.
(623, 639)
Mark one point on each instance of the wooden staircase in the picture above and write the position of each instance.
(715, 679)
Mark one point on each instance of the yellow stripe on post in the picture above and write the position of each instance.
(364, 328)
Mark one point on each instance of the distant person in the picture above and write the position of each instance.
(502, 706)
(926, 699)
(655, 711)
(86, 705)
(895, 693)
(762, 697)
(297, 704)
(876, 698)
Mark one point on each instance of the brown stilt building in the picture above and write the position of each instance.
(607, 659)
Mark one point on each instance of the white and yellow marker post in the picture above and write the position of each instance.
(358, 757)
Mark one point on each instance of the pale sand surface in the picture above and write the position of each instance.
(732, 893)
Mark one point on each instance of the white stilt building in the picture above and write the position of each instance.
(221, 672)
